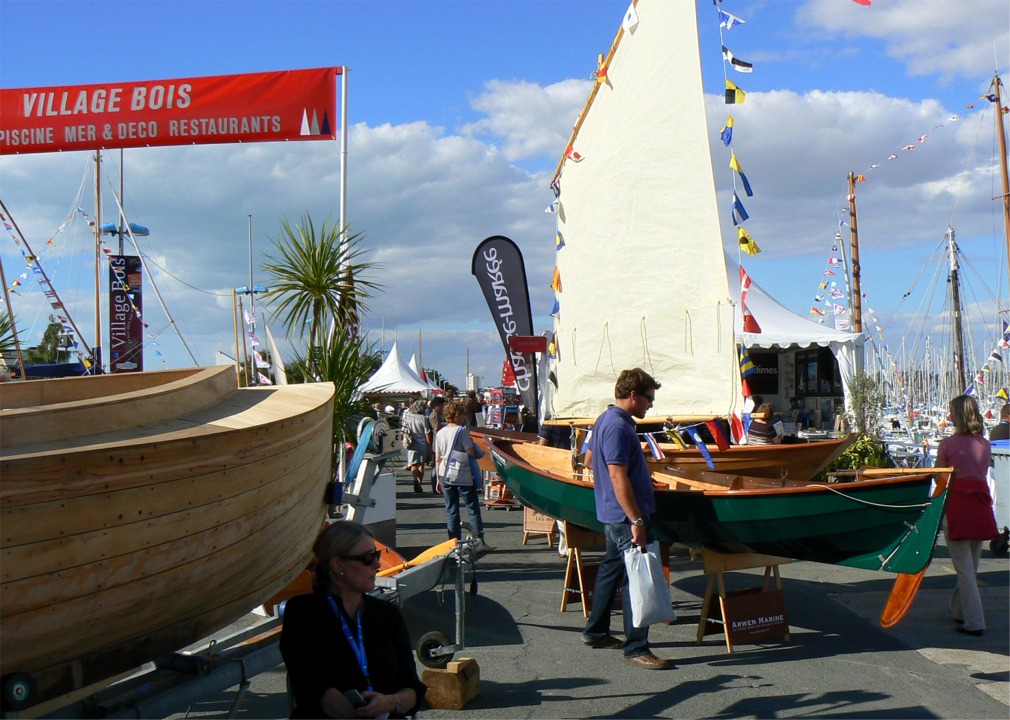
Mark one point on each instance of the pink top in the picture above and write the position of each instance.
(970, 454)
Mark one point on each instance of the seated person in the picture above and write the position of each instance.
(348, 654)
(1002, 431)
(556, 436)
(762, 430)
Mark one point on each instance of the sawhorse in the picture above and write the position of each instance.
(745, 615)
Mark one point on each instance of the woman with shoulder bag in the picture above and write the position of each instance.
(453, 450)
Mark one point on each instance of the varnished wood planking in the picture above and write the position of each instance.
(150, 598)
(36, 575)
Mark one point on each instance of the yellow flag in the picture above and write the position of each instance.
(747, 243)
(734, 95)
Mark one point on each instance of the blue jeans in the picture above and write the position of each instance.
(452, 494)
(611, 575)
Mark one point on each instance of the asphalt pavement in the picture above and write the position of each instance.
(838, 662)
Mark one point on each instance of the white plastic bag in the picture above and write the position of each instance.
(648, 588)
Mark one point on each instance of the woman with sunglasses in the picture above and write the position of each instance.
(348, 654)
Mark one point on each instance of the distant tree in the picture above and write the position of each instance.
(48, 349)
(866, 405)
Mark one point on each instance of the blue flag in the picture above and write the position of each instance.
(727, 132)
(739, 214)
(696, 438)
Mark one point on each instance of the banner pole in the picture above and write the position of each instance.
(343, 154)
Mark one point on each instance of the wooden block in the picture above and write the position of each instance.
(453, 687)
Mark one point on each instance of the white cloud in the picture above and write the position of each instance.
(932, 37)
(530, 120)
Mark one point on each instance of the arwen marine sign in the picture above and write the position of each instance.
(253, 107)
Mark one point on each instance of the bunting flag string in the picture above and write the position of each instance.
(995, 358)
(734, 96)
(843, 321)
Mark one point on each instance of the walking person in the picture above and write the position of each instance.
(969, 519)
(419, 451)
(453, 450)
(473, 408)
(436, 420)
(624, 501)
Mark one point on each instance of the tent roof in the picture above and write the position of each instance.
(413, 366)
(394, 376)
(780, 327)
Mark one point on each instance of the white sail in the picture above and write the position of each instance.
(280, 376)
(642, 270)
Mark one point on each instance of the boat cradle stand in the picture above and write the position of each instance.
(746, 615)
(580, 577)
(175, 682)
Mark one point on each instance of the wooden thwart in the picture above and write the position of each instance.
(749, 615)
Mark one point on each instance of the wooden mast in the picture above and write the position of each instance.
(954, 280)
(857, 313)
(1001, 133)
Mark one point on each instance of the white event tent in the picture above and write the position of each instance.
(394, 377)
(783, 329)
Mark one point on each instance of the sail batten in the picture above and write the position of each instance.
(643, 271)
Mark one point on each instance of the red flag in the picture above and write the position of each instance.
(736, 428)
(750, 325)
(862, 2)
(572, 155)
(717, 434)
(746, 388)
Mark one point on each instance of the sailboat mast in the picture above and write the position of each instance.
(1001, 134)
(855, 300)
(955, 305)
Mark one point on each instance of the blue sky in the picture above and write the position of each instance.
(459, 112)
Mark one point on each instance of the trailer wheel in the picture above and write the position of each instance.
(998, 546)
(426, 646)
(19, 691)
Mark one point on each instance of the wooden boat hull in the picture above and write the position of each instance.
(881, 524)
(801, 461)
(138, 522)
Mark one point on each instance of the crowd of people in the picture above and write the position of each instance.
(348, 654)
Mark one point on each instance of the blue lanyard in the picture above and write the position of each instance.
(357, 644)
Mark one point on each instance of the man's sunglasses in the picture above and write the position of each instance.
(367, 558)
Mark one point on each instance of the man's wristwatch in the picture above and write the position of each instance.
(639, 523)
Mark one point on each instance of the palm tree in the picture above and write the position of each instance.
(317, 277)
(7, 344)
(347, 362)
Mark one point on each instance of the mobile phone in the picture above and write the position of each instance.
(354, 697)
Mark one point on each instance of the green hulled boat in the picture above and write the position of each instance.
(877, 519)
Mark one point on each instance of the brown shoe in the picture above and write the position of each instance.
(607, 642)
(648, 661)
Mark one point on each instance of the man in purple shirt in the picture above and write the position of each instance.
(624, 501)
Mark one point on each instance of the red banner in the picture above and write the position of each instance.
(254, 107)
(528, 344)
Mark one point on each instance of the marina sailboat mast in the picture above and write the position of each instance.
(997, 84)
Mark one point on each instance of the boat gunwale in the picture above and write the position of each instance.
(915, 475)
